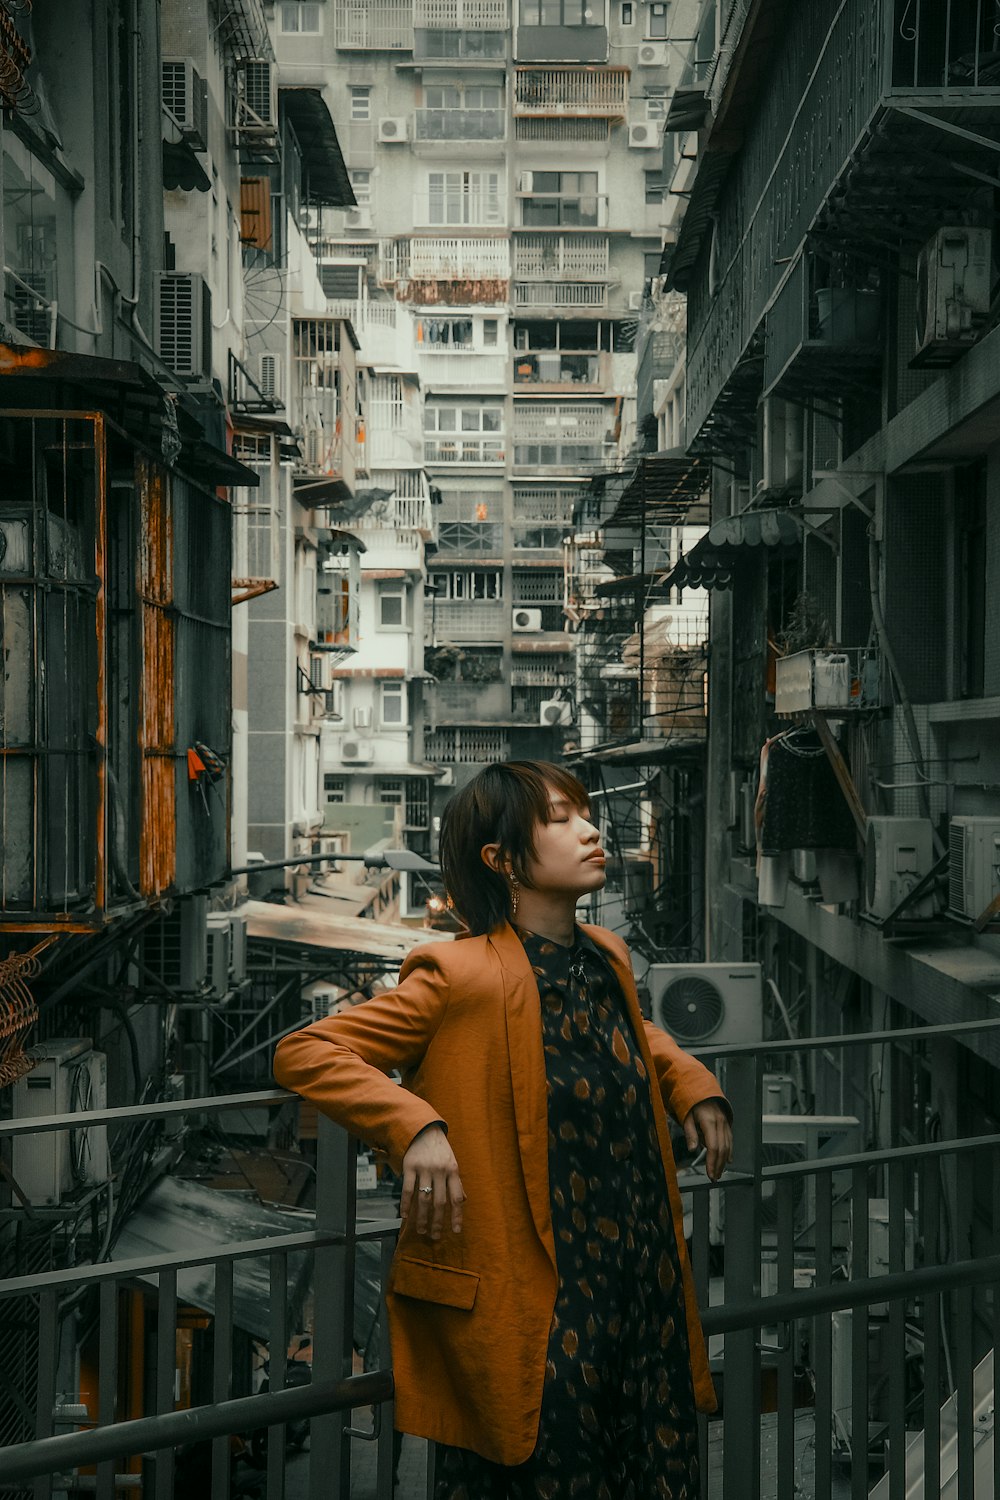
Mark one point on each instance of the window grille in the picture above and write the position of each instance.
(540, 586)
(467, 746)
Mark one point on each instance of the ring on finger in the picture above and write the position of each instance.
(427, 1190)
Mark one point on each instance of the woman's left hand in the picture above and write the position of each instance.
(708, 1124)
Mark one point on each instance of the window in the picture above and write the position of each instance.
(392, 605)
(656, 103)
(628, 14)
(463, 198)
(335, 788)
(462, 418)
(560, 198)
(392, 703)
(472, 583)
(557, 12)
(389, 793)
(302, 17)
(463, 434)
(444, 333)
(654, 187)
(491, 329)
(361, 182)
(656, 20)
(361, 101)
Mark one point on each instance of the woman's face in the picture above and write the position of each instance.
(568, 854)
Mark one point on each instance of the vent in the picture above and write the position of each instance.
(973, 866)
(185, 95)
(270, 376)
(183, 322)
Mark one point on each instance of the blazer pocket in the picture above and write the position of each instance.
(428, 1282)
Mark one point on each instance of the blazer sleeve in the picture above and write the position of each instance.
(684, 1081)
(340, 1063)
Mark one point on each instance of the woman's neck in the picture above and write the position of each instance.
(550, 915)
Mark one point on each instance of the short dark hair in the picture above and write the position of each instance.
(502, 805)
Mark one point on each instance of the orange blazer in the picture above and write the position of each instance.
(469, 1316)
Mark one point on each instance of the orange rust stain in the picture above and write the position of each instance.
(156, 731)
(13, 359)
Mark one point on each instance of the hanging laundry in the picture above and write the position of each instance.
(800, 805)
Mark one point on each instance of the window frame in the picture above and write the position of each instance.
(658, 11)
(290, 7)
(393, 687)
(393, 588)
(359, 97)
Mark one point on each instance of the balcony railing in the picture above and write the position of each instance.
(465, 702)
(850, 1338)
(446, 258)
(560, 294)
(374, 25)
(463, 450)
(542, 257)
(571, 91)
(559, 367)
(471, 538)
(467, 620)
(459, 125)
(461, 15)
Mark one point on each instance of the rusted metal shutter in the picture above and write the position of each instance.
(255, 212)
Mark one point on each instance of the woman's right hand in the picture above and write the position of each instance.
(430, 1163)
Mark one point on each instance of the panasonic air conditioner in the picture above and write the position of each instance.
(69, 1077)
(953, 293)
(185, 94)
(708, 1003)
(392, 129)
(526, 619)
(899, 852)
(973, 866)
(555, 711)
(358, 218)
(182, 323)
(357, 752)
(653, 54)
(645, 136)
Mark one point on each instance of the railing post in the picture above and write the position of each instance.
(333, 1322)
(741, 1362)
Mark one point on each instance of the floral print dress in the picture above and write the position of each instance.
(618, 1412)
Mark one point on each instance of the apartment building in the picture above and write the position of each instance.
(506, 167)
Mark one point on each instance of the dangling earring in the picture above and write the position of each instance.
(515, 891)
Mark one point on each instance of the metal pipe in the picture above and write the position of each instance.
(371, 862)
(53, 1455)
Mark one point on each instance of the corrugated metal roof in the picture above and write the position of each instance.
(710, 563)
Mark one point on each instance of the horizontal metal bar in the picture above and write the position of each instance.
(786, 1307)
(212, 1103)
(124, 1270)
(856, 1039)
(71, 1450)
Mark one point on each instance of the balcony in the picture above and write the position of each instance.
(553, 294)
(600, 93)
(446, 258)
(562, 43)
(916, 106)
(324, 384)
(559, 210)
(442, 369)
(374, 25)
(559, 370)
(463, 450)
(468, 621)
(469, 702)
(849, 1338)
(439, 125)
(471, 538)
(461, 31)
(549, 435)
(823, 338)
(554, 257)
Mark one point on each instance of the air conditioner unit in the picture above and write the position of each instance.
(358, 218)
(973, 866)
(712, 1002)
(185, 94)
(645, 136)
(899, 852)
(356, 752)
(219, 954)
(653, 55)
(361, 718)
(182, 323)
(255, 98)
(526, 619)
(555, 711)
(322, 998)
(953, 293)
(635, 301)
(392, 129)
(877, 1227)
(69, 1077)
(238, 948)
(175, 948)
(270, 376)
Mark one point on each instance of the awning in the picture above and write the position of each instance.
(310, 924)
(185, 1218)
(182, 168)
(644, 752)
(665, 488)
(710, 564)
(327, 181)
(689, 108)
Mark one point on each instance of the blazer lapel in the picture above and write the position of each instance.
(522, 1010)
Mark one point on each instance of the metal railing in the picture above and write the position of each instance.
(857, 1368)
(867, 1361)
(149, 1441)
(571, 91)
(459, 124)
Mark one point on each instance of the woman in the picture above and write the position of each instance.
(543, 1320)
